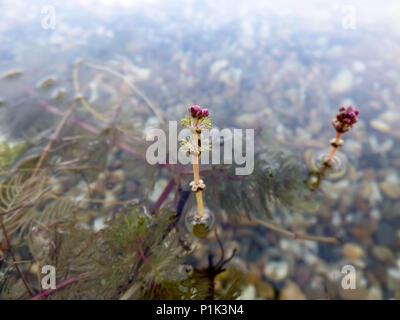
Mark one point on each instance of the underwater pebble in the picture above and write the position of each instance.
(310, 258)
(381, 147)
(158, 189)
(393, 281)
(342, 82)
(334, 190)
(385, 234)
(382, 254)
(248, 293)
(369, 191)
(390, 117)
(380, 125)
(12, 74)
(217, 66)
(109, 199)
(302, 275)
(247, 120)
(117, 176)
(391, 186)
(46, 82)
(353, 147)
(359, 293)
(231, 77)
(276, 270)
(336, 219)
(375, 214)
(99, 224)
(59, 94)
(140, 74)
(291, 291)
(358, 66)
(375, 293)
(265, 290)
(352, 251)
(315, 289)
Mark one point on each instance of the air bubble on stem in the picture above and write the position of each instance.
(316, 162)
(200, 226)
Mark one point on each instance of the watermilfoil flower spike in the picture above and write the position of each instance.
(196, 122)
(343, 122)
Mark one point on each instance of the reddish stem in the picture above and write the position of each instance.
(87, 127)
(164, 195)
(334, 149)
(60, 286)
(142, 255)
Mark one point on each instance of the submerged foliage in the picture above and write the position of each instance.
(9, 153)
(277, 180)
(79, 200)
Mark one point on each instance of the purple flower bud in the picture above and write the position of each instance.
(347, 121)
(342, 109)
(194, 110)
(199, 114)
(205, 113)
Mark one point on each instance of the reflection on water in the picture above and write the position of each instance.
(280, 69)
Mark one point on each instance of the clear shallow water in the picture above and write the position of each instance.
(282, 70)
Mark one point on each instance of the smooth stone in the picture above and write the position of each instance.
(277, 270)
(302, 275)
(385, 234)
(393, 281)
(381, 147)
(390, 117)
(391, 186)
(99, 224)
(12, 74)
(265, 290)
(59, 94)
(291, 291)
(248, 293)
(247, 120)
(375, 293)
(333, 190)
(359, 293)
(158, 189)
(358, 66)
(382, 254)
(380, 125)
(369, 191)
(218, 66)
(46, 82)
(352, 251)
(342, 82)
(231, 77)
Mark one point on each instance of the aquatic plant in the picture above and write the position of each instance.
(343, 122)
(331, 165)
(9, 153)
(91, 172)
(197, 121)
